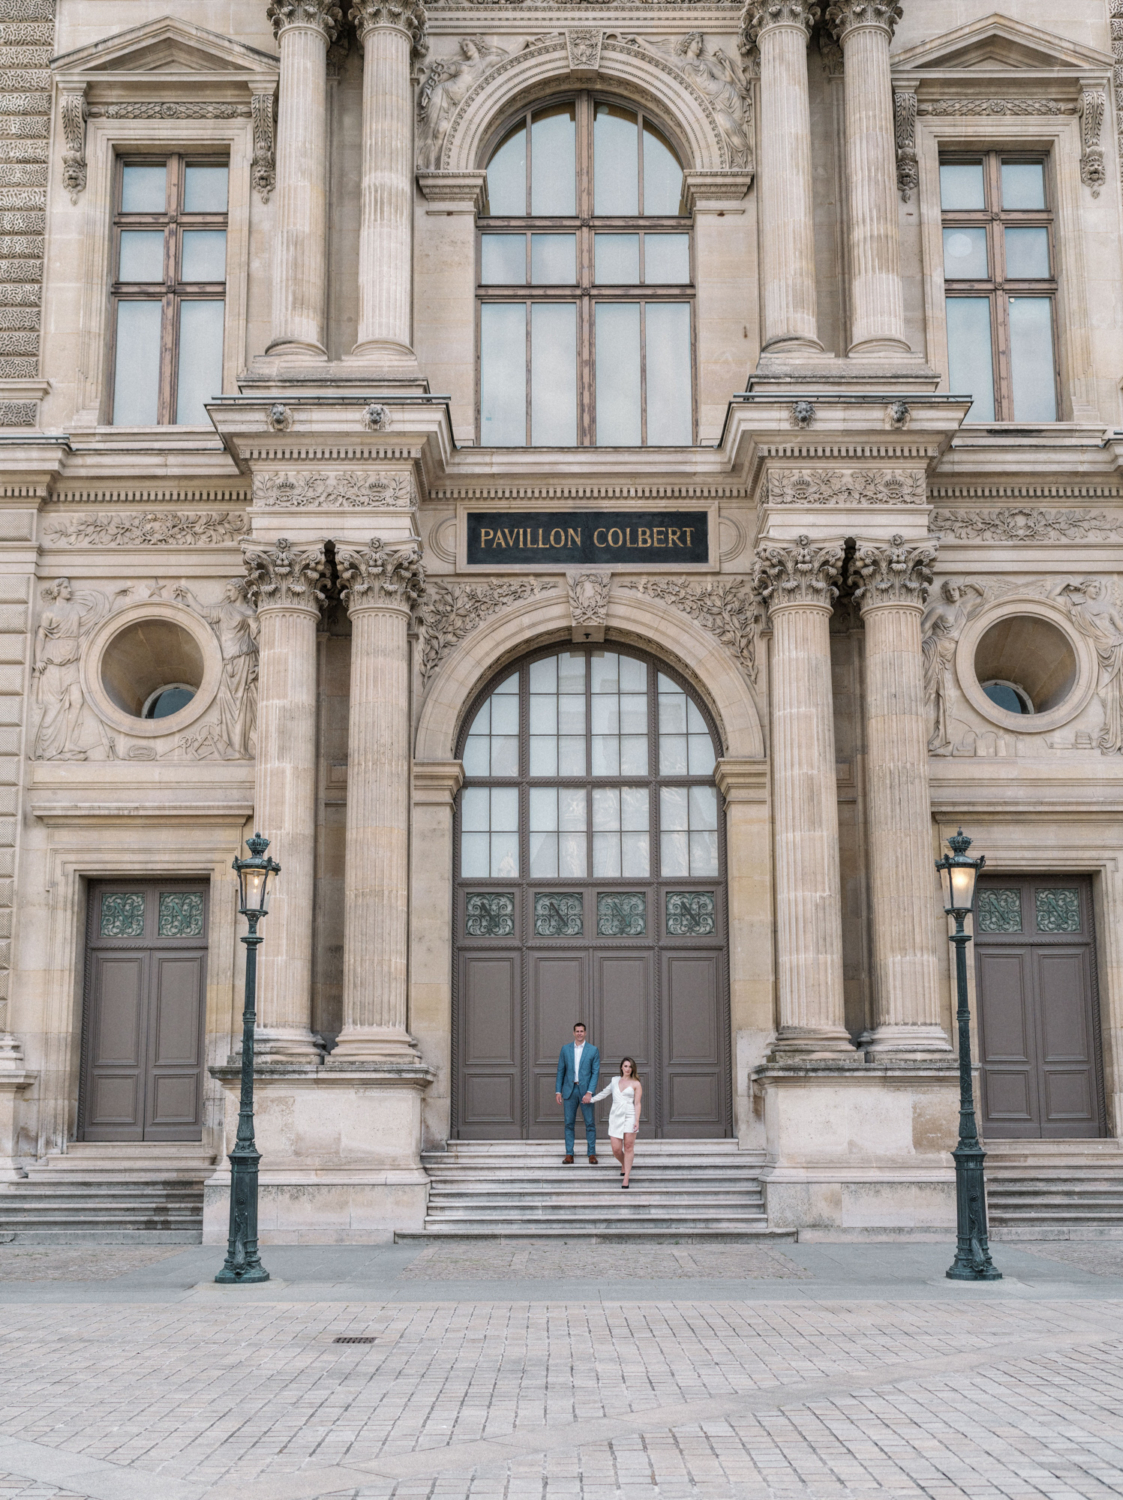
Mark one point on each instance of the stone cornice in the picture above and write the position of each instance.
(321, 15)
(846, 16)
(279, 578)
(401, 15)
(892, 574)
(800, 573)
(378, 577)
(761, 15)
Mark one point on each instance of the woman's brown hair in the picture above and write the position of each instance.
(635, 1070)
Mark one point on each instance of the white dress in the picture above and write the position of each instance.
(622, 1116)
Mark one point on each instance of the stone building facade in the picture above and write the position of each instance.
(606, 489)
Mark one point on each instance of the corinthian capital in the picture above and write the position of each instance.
(759, 15)
(892, 573)
(279, 578)
(845, 16)
(404, 15)
(378, 577)
(801, 572)
(324, 15)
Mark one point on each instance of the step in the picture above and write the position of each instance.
(599, 1235)
(135, 1238)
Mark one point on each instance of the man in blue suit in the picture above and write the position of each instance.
(578, 1076)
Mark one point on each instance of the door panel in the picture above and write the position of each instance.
(114, 1072)
(174, 1095)
(558, 997)
(490, 993)
(692, 1042)
(1007, 1043)
(625, 1008)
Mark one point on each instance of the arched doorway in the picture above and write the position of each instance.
(590, 885)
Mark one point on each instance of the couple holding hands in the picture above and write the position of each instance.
(578, 1076)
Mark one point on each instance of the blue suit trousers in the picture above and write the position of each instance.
(571, 1105)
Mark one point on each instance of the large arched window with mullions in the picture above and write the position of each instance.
(586, 293)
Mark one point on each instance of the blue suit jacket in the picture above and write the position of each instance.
(586, 1082)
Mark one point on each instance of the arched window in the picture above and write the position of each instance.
(585, 283)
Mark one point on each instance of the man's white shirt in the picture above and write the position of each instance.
(578, 1048)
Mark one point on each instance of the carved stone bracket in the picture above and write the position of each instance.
(74, 115)
(895, 573)
(588, 604)
(403, 15)
(380, 577)
(453, 610)
(908, 168)
(324, 15)
(847, 487)
(845, 16)
(345, 490)
(263, 169)
(277, 577)
(726, 608)
(1092, 108)
(759, 15)
(797, 573)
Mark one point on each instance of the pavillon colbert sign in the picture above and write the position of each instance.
(574, 538)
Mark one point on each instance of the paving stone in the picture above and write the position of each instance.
(543, 1261)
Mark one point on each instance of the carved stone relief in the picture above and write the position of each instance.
(959, 107)
(234, 621)
(347, 490)
(320, 13)
(904, 117)
(1116, 8)
(760, 14)
(279, 576)
(263, 168)
(726, 608)
(941, 628)
(379, 576)
(1025, 524)
(170, 109)
(847, 487)
(1095, 612)
(588, 604)
(148, 529)
(1092, 107)
(68, 617)
(74, 115)
(584, 44)
(443, 88)
(894, 574)
(799, 572)
(453, 610)
(721, 80)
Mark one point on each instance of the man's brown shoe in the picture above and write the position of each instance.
(567, 1161)
(592, 1161)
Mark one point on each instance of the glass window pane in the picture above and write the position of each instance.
(544, 756)
(606, 855)
(553, 161)
(635, 854)
(475, 810)
(1032, 375)
(961, 185)
(633, 675)
(572, 809)
(703, 854)
(674, 853)
(204, 190)
(673, 807)
(553, 369)
(673, 755)
(204, 255)
(701, 755)
(477, 755)
(503, 374)
(503, 259)
(506, 177)
(504, 714)
(703, 807)
(615, 161)
(553, 259)
(634, 808)
(504, 855)
(504, 808)
(970, 359)
(571, 676)
(618, 375)
(606, 754)
(543, 854)
(505, 755)
(606, 808)
(662, 174)
(670, 419)
(571, 755)
(571, 713)
(200, 359)
(617, 259)
(666, 259)
(965, 255)
(1023, 184)
(474, 855)
(142, 255)
(544, 675)
(144, 189)
(136, 384)
(1027, 252)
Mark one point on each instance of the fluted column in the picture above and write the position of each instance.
(864, 29)
(780, 28)
(797, 579)
(304, 30)
(391, 33)
(381, 587)
(286, 586)
(892, 584)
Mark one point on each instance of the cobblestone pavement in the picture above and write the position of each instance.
(1101, 1257)
(910, 1388)
(540, 1261)
(101, 1263)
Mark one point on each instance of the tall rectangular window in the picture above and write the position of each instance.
(1000, 285)
(168, 289)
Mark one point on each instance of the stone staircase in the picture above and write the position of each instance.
(109, 1193)
(681, 1192)
(1055, 1190)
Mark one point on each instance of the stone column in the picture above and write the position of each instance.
(286, 587)
(892, 584)
(304, 30)
(381, 587)
(864, 29)
(391, 33)
(797, 579)
(780, 29)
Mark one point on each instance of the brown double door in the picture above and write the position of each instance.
(142, 1052)
(1038, 1023)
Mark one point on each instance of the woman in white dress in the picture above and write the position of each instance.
(623, 1119)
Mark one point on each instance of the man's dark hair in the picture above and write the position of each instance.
(582, 1026)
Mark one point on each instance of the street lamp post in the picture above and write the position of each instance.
(972, 1261)
(243, 1263)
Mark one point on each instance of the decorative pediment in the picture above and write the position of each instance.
(167, 46)
(998, 44)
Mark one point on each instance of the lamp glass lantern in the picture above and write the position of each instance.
(958, 873)
(254, 878)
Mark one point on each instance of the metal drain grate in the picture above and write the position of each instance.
(353, 1338)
